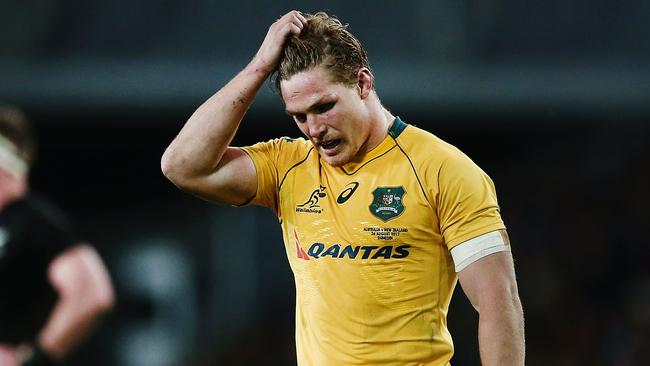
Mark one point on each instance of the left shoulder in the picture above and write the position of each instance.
(428, 151)
(38, 223)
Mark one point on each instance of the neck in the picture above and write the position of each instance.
(382, 120)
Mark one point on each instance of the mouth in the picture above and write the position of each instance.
(329, 146)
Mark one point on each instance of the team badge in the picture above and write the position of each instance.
(387, 202)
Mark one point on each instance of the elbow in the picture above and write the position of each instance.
(98, 286)
(183, 172)
(79, 275)
(167, 165)
(105, 299)
(171, 168)
(99, 296)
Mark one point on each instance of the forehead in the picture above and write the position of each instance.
(308, 87)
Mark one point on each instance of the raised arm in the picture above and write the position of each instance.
(199, 160)
(491, 287)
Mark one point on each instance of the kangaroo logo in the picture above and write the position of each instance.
(315, 196)
(311, 205)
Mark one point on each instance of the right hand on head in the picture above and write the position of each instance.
(268, 56)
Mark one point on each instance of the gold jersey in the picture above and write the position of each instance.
(369, 243)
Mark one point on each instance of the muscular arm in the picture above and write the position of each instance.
(199, 159)
(490, 285)
(85, 293)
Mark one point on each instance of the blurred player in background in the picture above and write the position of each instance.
(53, 287)
(380, 218)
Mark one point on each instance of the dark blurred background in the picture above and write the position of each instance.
(551, 99)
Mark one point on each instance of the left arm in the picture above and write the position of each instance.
(85, 293)
(491, 287)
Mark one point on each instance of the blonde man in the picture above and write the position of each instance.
(380, 218)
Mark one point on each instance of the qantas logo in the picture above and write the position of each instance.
(300, 253)
(320, 250)
(347, 192)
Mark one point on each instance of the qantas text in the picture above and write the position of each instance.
(319, 250)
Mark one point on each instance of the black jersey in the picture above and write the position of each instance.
(32, 233)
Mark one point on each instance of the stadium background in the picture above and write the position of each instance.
(551, 98)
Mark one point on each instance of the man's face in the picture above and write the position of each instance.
(332, 115)
(11, 186)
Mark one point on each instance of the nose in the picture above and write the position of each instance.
(316, 128)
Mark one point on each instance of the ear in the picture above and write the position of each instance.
(365, 82)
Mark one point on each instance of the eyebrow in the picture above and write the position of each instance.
(319, 102)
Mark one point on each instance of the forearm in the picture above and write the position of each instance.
(201, 143)
(69, 323)
(501, 333)
(198, 149)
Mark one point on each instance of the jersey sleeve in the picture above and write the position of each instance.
(467, 201)
(265, 156)
(272, 159)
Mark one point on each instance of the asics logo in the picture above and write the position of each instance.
(347, 192)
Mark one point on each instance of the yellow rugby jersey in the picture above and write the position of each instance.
(369, 243)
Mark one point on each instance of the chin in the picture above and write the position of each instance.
(336, 160)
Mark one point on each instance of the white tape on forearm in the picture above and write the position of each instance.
(471, 250)
(10, 161)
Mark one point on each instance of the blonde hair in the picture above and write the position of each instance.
(325, 42)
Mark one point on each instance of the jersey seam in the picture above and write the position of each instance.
(294, 165)
(414, 172)
(367, 162)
